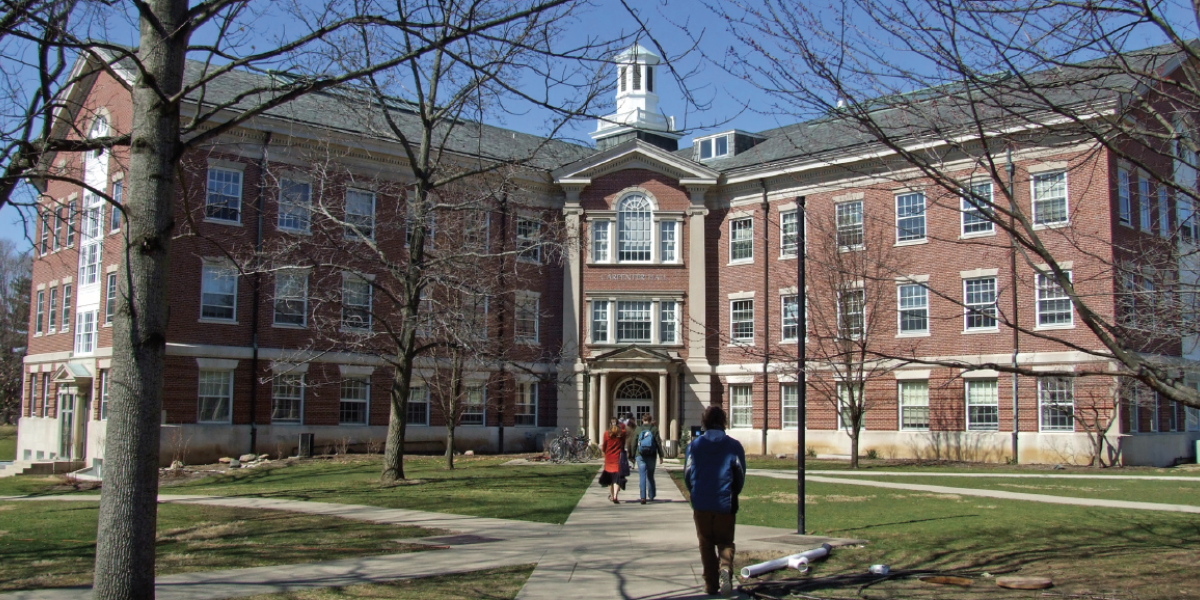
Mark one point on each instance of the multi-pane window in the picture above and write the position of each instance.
(66, 311)
(914, 405)
(53, 324)
(741, 318)
(89, 264)
(983, 405)
(851, 313)
(1124, 198)
(1056, 396)
(979, 296)
(599, 321)
(1164, 213)
(791, 318)
(291, 298)
(360, 214)
(1053, 303)
(413, 219)
(791, 406)
(85, 332)
(224, 198)
(910, 217)
(1185, 214)
(527, 318)
(850, 225)
(789, 233)
(417, 410)
(216, 397)
(46, 231)
(476, 308)
(45, 394)
(356, 302)
(977, 210)
(529, 245)
(118, 199)
(634, 222)
(741, 239)
(287, 398)
(741, 407)
(667, 241)
(70, 215)
(850, 402)
(218, 292)
(473, 406)
(913, 305)
(527, 401)
(1144, 209)
(1050, 199)
(104, 377)
(295, 205)
(40, 312)
(668, 322)
(600, 250)
(633, 321)
(110, 298)
(356, 394)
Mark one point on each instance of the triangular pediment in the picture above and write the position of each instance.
(635, 154)
(635, 353)
(72, 373)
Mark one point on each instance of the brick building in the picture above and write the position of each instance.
(677, 289)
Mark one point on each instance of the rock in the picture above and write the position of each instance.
(177, 464)
(247, 458)
(469, 453)
(1059, 467)
(234, 463)
(263, 457)
(225, 460)
(780, 456)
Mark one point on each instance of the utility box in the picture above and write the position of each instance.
(305, 449)
(1198, 452)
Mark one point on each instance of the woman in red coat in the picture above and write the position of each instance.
(612, 445)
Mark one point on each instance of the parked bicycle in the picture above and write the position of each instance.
(568, 448)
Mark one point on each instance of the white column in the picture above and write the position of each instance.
(663, 413)
(593, 430)
(695, 321)
(605, 406)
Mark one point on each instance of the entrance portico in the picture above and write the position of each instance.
(634, 381)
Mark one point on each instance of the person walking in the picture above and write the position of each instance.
(613, 445)
(714, 474)
(647, 446)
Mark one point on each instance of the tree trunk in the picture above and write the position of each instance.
(393, 450)
(854, 433)
(128, 502)
(450, 445)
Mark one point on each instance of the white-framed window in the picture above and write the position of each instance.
(979, 296)
(977, 210)
(89, 264)
(741, 239)
(527, 318)
(474, 406)
(910, 217)
(223, 201)
(741, 407)
(529, 243)
(291, 298)
(599, 321)
(1056, 397)
(717, 147)
(668, 322)
(1053, 303)
(633, 321)
(40, 309)
(914, 405)
(527, 404)
(71, 211)
(791, 318)
(791, 406)
(668, 243)
(1164, 212)
(66, 309)
(1185, 214)
(417, 410)
(983, 405)
(356, 302)
(53, 324)
(85, 332)
(104, 377)
(1145, 218)
(45, 244)
(110, 298)
(913, 308)
(850, 225)
(360, 214)
(215, 397)
(1124, 198)
(295, 205)
(287, 398)
(789, 233)
(218, 292)
(355, 401)
(118, 199)
(741, 319)
(410, 220)
(1193, 419)
(600, 243)
(852, 313)
(634, 231)
(476, 307)
(1050, 199)
(849, 397)
(45, 394)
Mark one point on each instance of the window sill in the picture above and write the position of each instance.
(36, 335)
(525, 426)
(217, 321)
(911, 242)
(851, 248)
(743, 261)
(529, 261)
(223, 222)
(107, 325)
(915, 429)
(979, 331)
(527, 342)
(340, 424)
(416, 424)
(980, 234)
(291, 231)
(355, 330)
(915, 334)
(626, 344)
(287, 423)
(1054, 327)
(214, 422)
(787, 257)
(741, 344)
(1073, 431)
(288, 326)
(969, 430)
(1051, 225)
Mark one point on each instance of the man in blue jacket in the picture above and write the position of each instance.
(714, 475)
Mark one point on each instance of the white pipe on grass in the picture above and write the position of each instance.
(795, 561)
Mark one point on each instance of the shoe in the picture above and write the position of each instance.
(615, 501)
(726, 579)
(643, 500)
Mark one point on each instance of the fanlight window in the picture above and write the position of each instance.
(633, 389)
(634, 223)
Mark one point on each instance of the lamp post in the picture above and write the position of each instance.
(801, 380)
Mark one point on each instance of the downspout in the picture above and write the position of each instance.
(1012, 265)
(254, 309)
(766, 304)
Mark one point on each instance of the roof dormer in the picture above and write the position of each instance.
(724, 145)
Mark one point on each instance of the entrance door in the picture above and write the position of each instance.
(66, 421)
(633, 398)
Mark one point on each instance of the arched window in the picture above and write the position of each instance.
(634, 389)
(99, 130)
(634, 229)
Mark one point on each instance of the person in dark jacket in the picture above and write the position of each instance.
(714, 475)
(647, 445)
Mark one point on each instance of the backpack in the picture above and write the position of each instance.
(646, 442)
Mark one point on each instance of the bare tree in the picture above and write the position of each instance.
(15, 271)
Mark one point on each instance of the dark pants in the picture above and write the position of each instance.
(715, 531)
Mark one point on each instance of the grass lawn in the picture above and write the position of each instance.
(492, 584)
(52, 543)
(8, 442)
(1141, 554)
(1166, 492)
(758, 461)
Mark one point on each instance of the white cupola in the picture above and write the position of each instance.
(637, 113)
